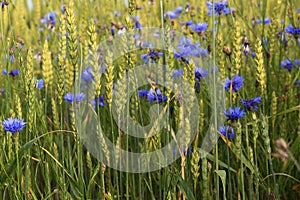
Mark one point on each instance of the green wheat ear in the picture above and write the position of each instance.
(62, 43)
(93, 60)
(195, 165)
(205, 186)
(27, 72)
(221, 58)
(72, 39)
(237, 45)
(274, 108)
(69, 76)
(31, 105)
(238, 141)
(55, 114)
(274, 28)
(260, 70)
(47, 66)
(37, 11)
(109, 77)
(18, 106)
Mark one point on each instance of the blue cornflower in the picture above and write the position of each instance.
(150, 96)
(292, 30)
(2, 4)
(153, 55)
(157, 96)
(70, 97)
(259, 4)
(137, 23)
(200, 27)
(178, 10)
(188, 23)
(267, 21)
(181, 55)
(200, 73)
(227, 131)
(288, 64)
(258, 21)
(112, 30)
(39, 83)
(4, 72)
(100, 101)
(12, 58)
(171, 15)
(234, 114)
(13, 125)
(253, 54)
(235, 83)
(143, 93)
(174, 14)
(186, 48)
(251, 103)
(102, 69)
(297, 82)
(49, 20)
(63, 8)
(87, 76)
(14, 72)
(220, 8)
(200, 52)
(177, 73)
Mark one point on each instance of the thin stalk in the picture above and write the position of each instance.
(215, 103)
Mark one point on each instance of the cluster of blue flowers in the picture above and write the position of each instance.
(288, 64)
(219, 8)
(13, 73)
(293, 30)
(186, 49)
(99, 101)
(49, 20)
(174, 14)
(266, 21)
(234, 114)
(152, 96)
(200, 27)
(70, 98)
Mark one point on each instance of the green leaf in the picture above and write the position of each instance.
(221, 163)
(222, 175)
(184, 187)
